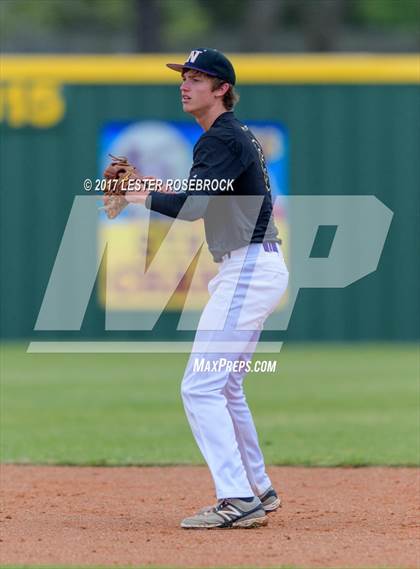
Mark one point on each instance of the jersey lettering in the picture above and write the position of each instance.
(262, 164)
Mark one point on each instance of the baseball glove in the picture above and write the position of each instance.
(117, 174)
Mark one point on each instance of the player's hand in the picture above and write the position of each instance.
(139, 195)
(120, 170)
(121, 175)
(113, 204)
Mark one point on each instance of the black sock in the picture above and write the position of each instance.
(247, 499)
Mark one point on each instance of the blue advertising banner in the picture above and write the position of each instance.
(164, 149)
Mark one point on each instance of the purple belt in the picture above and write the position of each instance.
(270, 246)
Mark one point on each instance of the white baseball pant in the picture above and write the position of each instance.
(247, 288)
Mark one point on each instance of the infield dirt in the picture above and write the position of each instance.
(331, 517)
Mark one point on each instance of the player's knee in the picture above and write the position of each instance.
(234, 393)
(188, 390)
(193, 389)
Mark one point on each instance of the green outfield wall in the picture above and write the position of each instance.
(353, 129)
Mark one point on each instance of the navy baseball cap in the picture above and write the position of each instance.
(210, 61)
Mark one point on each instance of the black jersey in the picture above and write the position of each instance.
(234, 214)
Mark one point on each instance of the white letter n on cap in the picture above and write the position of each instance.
(193, 55)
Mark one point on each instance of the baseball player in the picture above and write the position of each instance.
(251, 279)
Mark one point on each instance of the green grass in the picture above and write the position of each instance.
(325, 405)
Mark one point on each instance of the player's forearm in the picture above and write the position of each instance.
(180, 205)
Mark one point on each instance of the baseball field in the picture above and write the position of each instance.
(338, 425)
(98, 464)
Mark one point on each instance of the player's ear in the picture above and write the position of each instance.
(222, 89)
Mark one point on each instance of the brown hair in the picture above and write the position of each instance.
(230, 98)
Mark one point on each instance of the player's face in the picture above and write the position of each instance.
(196, 92)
